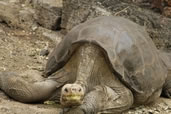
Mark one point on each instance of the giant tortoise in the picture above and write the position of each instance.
(105, 65)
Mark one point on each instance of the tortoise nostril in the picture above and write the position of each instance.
(80, 90)
(74, 89)
(66, 90)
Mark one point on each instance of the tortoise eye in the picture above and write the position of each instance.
(66, 90)
(79, 90)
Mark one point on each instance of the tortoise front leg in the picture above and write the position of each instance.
(22, 90)
(105, 100)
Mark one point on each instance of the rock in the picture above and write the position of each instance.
(157, 4)
(15, 16)
(53, 3)
(168, 2)
(158, 27)
(25, 1)
(56, 37)
(8, 13)
(44, 52)
(14, 1)
(167, 11)
(26, 17)
(48, 13)
(21, 14)
(164, 6)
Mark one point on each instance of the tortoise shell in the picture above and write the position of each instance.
(128, 47)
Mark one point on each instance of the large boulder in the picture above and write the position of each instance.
(14, 15)
(48, 13)
(28, 14)
(158, 27)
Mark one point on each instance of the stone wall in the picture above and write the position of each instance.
(27, 14)
(158, 26)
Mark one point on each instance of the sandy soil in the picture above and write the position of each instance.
(20, 52)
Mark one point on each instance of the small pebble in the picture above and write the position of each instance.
(44, 52)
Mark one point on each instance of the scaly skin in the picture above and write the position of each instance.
(20, 90)
(86, 57)
(98, 83)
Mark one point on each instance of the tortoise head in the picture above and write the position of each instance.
(72, 95)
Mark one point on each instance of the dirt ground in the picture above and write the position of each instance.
(20, 52)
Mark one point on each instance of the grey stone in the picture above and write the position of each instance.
(48, 13)
(26, 17)
(8, 13)
(53, 36)
(28, 14)
(44, 52)
(53, 3)
(15, 16)
(78, 11)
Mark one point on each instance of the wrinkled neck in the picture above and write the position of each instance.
(88, 54)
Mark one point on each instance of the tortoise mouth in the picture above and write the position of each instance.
(72, 100)
(73, 97)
